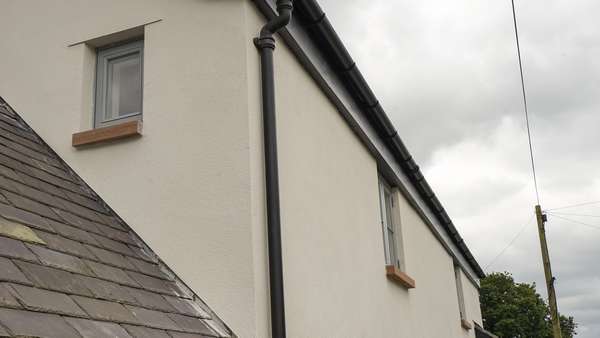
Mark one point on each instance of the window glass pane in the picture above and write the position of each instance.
(389, 237)
(393, 256)
(124, 87)
(384, 226)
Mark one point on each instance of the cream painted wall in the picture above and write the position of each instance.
(192, 186)
(185, 186)
(334, 269)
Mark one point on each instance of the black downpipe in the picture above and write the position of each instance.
(266, 45)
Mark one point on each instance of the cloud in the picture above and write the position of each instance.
(447, 74)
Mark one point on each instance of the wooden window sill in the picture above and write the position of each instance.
(394, 274)
(110, 133)
(466, 324)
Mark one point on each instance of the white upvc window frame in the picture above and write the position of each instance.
(104, 56)
(390, 226)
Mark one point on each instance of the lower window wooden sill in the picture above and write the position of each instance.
(105, 134)
(466, 324)
(394, 274)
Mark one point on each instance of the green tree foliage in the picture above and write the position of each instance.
(516, 310)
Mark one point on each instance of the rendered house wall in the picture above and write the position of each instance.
(334, 271)
(185, 185)
(192, 186)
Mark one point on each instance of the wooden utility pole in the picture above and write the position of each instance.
(541, 219)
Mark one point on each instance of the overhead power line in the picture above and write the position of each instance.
(540, 217)
(537, 194)
(574, 205)
(596, 227)
(570, 214)
(521, 231)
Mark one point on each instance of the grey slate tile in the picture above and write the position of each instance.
(84, 201)
(41, 185)
(17, 138)
(4, 333)
(29, 204)
(148, 268)
(12, 122)
(151, 300)
(25, 217)
(8, 184)
(81, 211)
(19, 232)
(111, 258)
(45, 301)
(9, 272)
(94, 329)
(142, 252)
(11, 163)
(16, 132)
(218, 328)
(112, 221)
(3, 199)
(63, 244)
(7, 151)
(54, 279)
(107, 290)
(187, 335)
(145, 332)
(111, 273)
(153, 318)
(18, 156)
(118, 235)
(105, 310)
(32, 324)
(112, 245)
(77, 221)
(6, 297)
(10, 173)
(53, 170)
(6, 110)
(13, 248)
(191, 324)
(44, 176)
(155, 284)
(18, 147)
(74, 233)
(187, 307)
(38, 195)
(60, 260)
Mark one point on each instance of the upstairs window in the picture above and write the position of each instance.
(388, 223)
(119, 84)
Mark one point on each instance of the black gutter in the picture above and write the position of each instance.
(266, 45)
(333, 50)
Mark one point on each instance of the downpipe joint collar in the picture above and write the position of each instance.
(265, 42)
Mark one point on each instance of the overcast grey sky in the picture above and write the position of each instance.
(447, 74)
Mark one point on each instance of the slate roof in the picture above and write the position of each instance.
(69, 266)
